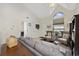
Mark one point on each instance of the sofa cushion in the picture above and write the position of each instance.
(62, 40)
(35, 53)
(47, 48)
(65, 50)
(65, 36)
(30, 42)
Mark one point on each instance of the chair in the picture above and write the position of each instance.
(49, 35)
(64, 38)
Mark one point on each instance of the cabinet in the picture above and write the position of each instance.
(74, 33)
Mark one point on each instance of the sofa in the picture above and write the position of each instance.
(43, 48)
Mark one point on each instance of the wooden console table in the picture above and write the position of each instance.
(18, 50)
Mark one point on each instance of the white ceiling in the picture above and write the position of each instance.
(42, 10)
(39, 9)
(69, 6)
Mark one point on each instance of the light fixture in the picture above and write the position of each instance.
(51, 5)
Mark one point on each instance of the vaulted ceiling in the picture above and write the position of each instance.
(39, 9)
(69, 6)
(42, 10)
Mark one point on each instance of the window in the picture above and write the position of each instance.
(59, 27)
(58, 21)
(58, 15)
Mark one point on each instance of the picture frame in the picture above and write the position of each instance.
(37, 26)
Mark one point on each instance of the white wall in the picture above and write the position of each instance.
(12, 17)
(31, 30)
(44, 23)
(49, 20)
(67, 16)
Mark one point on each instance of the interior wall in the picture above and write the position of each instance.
(45, 23)
(49, 20)
(67, 16)
(31, 30)
(12, 17)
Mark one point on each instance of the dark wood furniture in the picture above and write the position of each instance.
(43, 38)
(49, 35)
(70, 40)
(75, 30)
(76, 26)
(18, 50)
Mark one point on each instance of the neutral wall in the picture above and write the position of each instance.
(31, 30)
(49, 20)
(44, 23)
(12, 17)
(67, 16)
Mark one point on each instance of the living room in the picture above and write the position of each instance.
(37, 21)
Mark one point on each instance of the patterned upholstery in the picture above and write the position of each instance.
(45, 48)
